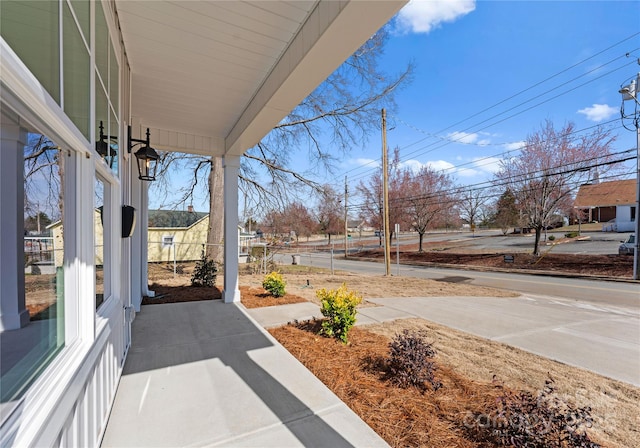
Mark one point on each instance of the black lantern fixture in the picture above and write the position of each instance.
(146, 156)
(104, 149)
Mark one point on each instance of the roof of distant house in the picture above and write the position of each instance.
(606, 194)
(174, 218)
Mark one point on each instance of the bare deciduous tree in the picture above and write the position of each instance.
(470, 205)
(427, 197)
(300, 220)
(371, 209)
(43, 177)
(329, 213)
(551, 166)
(336, 116)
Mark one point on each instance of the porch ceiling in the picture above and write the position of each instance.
(213, 77)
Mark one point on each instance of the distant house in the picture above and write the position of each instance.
(611, 203)
(184, 231)
(358, 225)
(56, 229)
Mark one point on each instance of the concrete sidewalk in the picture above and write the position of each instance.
(603, 339)
(205, 374)
(208, 374)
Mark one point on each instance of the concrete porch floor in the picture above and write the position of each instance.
(205, 374)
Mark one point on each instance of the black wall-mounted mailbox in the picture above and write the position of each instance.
(128, 220)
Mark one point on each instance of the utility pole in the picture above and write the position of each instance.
(385, 195)
(630, 92)
(346, 225)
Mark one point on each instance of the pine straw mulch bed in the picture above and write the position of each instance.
(257, 297)
(402, 417)
(251, 297)
(444, 418)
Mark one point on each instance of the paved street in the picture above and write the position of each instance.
(593, 243)
(593, 291)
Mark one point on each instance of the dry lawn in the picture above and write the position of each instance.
(371, 286)
(615, 405)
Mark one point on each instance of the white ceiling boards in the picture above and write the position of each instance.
(213, 77)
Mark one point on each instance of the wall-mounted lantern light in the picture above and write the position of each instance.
(146, 156)
(104, 149)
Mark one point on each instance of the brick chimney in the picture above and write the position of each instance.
(190, 208)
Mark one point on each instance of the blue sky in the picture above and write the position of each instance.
(472, 55)
(482, 72)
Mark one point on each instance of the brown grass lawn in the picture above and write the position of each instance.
(466, 364)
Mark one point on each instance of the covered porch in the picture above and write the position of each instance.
(213, 78)
(206, 374)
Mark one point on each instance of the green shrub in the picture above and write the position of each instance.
(410, 361)
(205, 272)
(571, 234)
(551, 237)
(274, 284)
(339, 308)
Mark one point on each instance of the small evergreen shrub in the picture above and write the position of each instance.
(339, 308)
(274, 284)
(410, 361)
(205, 272)
(571, 234)
(551, 237)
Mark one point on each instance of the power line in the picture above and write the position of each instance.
(539, 174)
(492, 193)
(416, 152)
(546, 79)
(529, 100)
(505, 153)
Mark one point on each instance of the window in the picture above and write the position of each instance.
(167, 240)
(37, 292)
(76, 73)
(102, 232)
(32, 30)
(107, 90)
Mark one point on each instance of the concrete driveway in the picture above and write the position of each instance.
(603, 339)
(600, 338)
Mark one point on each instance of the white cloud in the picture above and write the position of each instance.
(487, 164)
(413, 165)
(422, 16)
(441, 165)
(514, 145)
(463, 137)
(465, 171)
(468, 138)
(598, 112)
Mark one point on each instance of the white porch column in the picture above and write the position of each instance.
(13, 311)
(144, 237)
(231, 164)
(135, 289)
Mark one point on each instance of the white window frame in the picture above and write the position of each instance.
(168, 240)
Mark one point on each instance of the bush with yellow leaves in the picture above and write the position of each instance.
(274, 284)
(339, 308)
